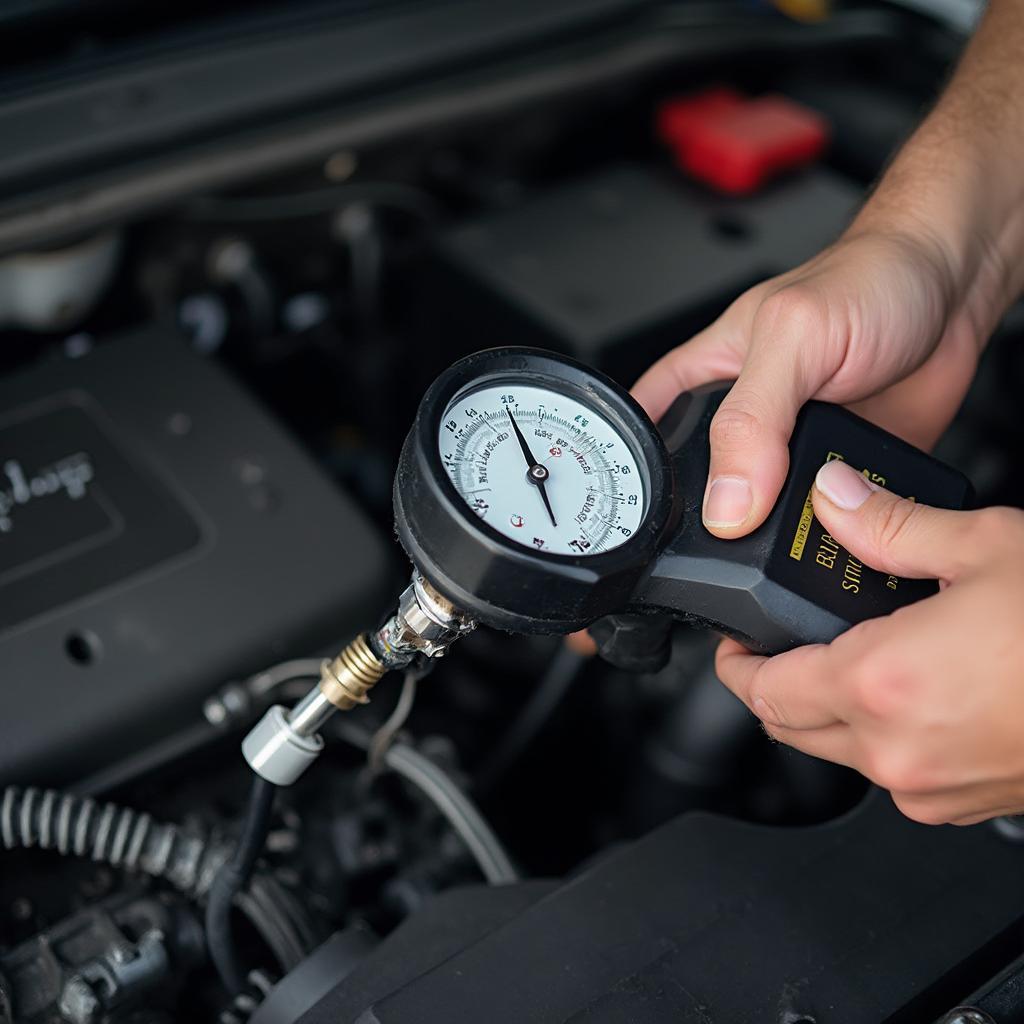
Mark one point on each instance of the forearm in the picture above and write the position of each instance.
(958, 182)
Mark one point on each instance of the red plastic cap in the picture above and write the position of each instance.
(736, 144)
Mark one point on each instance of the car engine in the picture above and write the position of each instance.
(237, 243)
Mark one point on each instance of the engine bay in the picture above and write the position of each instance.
(235, 252)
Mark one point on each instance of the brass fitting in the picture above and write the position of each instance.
(283, 744)
(347, 679)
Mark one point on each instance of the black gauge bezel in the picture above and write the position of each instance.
(489, 575)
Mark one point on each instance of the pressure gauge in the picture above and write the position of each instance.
(535, 495)
(531, 490)
(545, 469)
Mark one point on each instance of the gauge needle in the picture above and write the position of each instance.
(535, 472)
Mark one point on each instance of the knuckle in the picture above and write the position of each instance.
(883, 768)
(992, 526)
(878, 691)
(903, 770)
(921, 810)
(797, 309)
(900, 773)
(735, 426)
(768, 710)
(893, 523)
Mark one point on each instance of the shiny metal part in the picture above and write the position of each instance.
(347, 679)
(283, 744)
(276, 752)
(309, 715)
(426, 623)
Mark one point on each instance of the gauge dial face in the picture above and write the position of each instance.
(542, 468)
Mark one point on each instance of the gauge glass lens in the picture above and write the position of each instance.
(542, 468)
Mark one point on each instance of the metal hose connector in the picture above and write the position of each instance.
(283, 744)
(347, 679)
(105, 832)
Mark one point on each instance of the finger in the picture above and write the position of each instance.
(836, 743)
(750, 433)
(921, 406)
(889, 533)
(961, 805)
(582, 643)
(975, 818)
(707, 356)
(794, 690)
(968, 806)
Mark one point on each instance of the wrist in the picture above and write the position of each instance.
(955, 222)
(956, 185)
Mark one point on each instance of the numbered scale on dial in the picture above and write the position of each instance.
(542, 468)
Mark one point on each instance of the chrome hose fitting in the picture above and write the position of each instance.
(426, 623)
(283, 744)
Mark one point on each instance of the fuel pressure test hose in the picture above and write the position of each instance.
(283, 744)
(233, 878)
(278, 750)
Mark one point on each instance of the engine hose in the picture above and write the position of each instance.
(232, 879)
(246, 1002)
(118, 836)
(123, 838)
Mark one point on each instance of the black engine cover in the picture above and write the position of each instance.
(159, 534)
(865, 920)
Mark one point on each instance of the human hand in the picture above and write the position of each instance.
(927, 702)
(877, 322)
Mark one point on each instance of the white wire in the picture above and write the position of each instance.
(461, 813)
(382, 739)
(433, 781)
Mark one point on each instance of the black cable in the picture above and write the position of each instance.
(231, 879)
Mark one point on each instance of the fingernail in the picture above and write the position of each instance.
(765, 712)
(843, 485)
(728, 502)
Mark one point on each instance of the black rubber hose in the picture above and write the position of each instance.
(232, 878)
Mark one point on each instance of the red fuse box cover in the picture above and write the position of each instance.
(736, 144)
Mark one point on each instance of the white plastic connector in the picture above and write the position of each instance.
(276, 752)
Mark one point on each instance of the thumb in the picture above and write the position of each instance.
(749, 439)
(889, 533)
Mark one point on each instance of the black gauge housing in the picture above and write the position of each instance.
(499, 582)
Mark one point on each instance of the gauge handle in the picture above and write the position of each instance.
(787, 583)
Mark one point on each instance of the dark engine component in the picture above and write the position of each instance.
(712, 921)
(618, 267)
(111, 956)
(158, 534)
